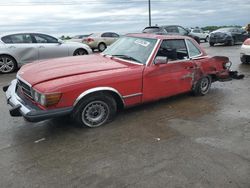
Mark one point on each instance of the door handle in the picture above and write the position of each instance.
(189, 67)
(41, 47)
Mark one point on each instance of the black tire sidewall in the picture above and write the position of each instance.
(80, 49)
(106, 98)
(99, 45)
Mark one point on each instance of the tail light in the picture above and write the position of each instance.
(247, 42)
(88, 40)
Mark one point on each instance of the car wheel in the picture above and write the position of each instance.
(211, 43)
(95, 110)
(7, 64)
(80, 52)
(203, 86)
(102, 47)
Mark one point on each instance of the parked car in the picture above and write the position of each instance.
(228, 36)
(245, 52)
(199, 33)
(170, 30)
(79, 38)
(100, 41)
(20, 48)
(138, 68)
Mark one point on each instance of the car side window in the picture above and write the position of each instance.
(106, 35)
(193, 50)
(17, 39)
(182, 31)
(173, 49)
(40, 38)
(115, 35)
(172, 29)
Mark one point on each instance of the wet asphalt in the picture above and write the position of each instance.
(182, 141)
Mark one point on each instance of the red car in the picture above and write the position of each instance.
(138, 68)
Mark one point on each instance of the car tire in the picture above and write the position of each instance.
(95, 110)
(79, 52)
(211, 43)
(102, 46)
(7, 64)
(203, 86)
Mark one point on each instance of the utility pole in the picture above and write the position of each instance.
(149, 12)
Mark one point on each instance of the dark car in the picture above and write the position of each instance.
(228, 36)
(170, 30)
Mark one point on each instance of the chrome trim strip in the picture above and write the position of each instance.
(92, 90)
(132, 95)
(19, 78)
(151, 55)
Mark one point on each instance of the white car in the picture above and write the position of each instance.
(245, 52)
(21, 48)
(200, 33)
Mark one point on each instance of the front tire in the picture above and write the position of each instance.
(7, 64)
(211, 43)
(203, 86)
(95, 110)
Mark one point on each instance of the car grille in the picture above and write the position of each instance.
(24, 88)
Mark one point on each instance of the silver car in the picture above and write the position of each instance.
(21, 48)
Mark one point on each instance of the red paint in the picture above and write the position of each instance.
(73, 75)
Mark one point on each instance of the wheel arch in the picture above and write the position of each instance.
(80, 48)
(117, 96)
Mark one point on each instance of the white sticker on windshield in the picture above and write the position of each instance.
(142, 42)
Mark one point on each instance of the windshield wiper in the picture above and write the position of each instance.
(127, 57)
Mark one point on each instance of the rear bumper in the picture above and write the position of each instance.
(21, 107)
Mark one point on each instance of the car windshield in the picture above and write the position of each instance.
(132, 48)
(225, 29)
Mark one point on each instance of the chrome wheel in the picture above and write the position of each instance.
(7, 64)
(205, 85)
(95, 113)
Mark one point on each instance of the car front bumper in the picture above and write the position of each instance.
(25, 108)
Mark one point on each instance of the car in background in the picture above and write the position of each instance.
(18, 49)
(79, 38)
(100, 41)
(199, 33)
(228, 36)
(136, 69)
(245, 52)
(170, 30)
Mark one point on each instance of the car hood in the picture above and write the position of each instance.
(46, 70)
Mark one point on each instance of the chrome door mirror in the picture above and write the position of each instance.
(161, 60)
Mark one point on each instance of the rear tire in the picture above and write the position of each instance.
(79, 52)
(7, 64)
(102, 46)
(203, 86)
(95, 110)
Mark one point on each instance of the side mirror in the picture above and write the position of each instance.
(160, 60)
(60, 41)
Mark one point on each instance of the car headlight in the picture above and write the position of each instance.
(48, 99)
(228, 65)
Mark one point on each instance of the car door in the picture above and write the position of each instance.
(171, 78)
(49, 47)
(21, 46)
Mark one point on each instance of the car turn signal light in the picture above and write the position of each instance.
(52, 99)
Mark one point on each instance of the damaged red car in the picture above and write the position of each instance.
(138, 68)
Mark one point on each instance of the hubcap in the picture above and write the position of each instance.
(6, 64)
(95, 113)
(205, 85)
(102, 47)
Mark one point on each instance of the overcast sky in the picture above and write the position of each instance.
(86, 16)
